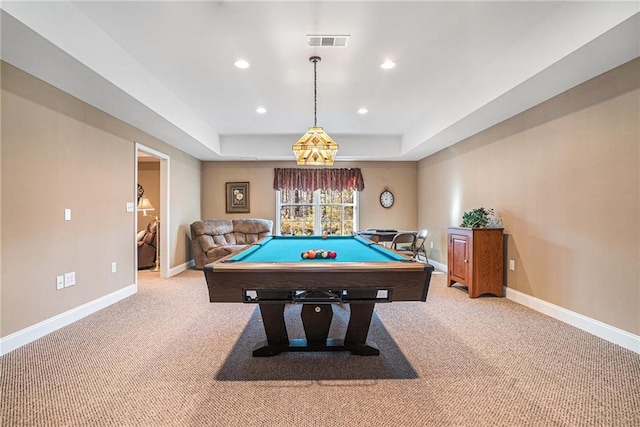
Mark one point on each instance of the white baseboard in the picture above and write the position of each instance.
(180, 268)
(594, 327)
(438, 266)
(32, 333)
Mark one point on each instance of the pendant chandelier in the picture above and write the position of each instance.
(315, 148)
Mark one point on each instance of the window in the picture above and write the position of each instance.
(307, 212)
(317, 201)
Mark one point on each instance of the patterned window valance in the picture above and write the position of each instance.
(318, 179)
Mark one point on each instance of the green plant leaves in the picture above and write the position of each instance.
(477, 218)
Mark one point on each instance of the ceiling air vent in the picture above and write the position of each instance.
(328, 41)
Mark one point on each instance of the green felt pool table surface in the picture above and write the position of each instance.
(288, 249)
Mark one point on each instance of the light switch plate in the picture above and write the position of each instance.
(130, 207)
(69, 279)
(67, 214)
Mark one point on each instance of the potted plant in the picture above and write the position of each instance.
(480, 218)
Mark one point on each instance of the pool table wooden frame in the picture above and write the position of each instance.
(406, 280)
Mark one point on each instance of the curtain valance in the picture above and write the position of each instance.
(318, 179)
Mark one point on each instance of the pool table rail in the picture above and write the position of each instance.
(321, 266)
(226, 285)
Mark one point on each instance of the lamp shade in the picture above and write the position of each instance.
(145, 205)
(315, 148)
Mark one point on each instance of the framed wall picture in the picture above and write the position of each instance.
(237, 197)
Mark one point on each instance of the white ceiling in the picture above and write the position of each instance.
(167, 68)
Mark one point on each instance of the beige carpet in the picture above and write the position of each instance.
(167, 357)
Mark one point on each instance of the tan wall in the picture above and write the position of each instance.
(57, 153)
(400, 177)
(185, 208)
(564, 176)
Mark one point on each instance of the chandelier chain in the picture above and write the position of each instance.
(315, 95)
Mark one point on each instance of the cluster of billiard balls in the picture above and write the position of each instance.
(318, 253)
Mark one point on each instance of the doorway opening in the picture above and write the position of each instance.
(152, 220)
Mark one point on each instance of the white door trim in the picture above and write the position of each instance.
(165, 237)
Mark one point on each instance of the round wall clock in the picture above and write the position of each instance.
(140, 192)
(386, 198)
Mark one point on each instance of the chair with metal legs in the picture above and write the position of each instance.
(419, 247)
(404, 242)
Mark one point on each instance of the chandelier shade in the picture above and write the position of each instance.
(316, 147)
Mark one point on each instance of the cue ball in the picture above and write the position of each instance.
(318, 309)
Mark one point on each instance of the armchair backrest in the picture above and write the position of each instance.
(149, 234)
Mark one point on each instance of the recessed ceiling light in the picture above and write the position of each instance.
(388, 64)
(261, 110)
(241, 63)
(363, 111)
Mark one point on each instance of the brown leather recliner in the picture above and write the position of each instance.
(214, 238)
(147, 246)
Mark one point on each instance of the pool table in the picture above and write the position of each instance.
(273, 272)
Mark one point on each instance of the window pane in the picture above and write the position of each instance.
(305, 213)
(286, 228)
(335, 209)
(348, 220)
(287, 213)
(326, 220)
(286, 196)
(348, 213)
(296, 220)
(296, 197)
(331, 221)
(323, 197)
(333, 205)
(303, 196)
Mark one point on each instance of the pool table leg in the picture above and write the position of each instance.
(316, 320)
(355, 339)
(275, 329)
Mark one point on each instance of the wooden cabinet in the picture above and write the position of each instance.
(475, 259)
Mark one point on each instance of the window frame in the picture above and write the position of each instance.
(317, 207)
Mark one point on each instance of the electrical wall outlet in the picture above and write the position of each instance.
(59, 282)
(67, 214)
(114, 267)
(512, 264)
(431, 245)
(69, 279)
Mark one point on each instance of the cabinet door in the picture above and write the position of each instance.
(459, 262)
